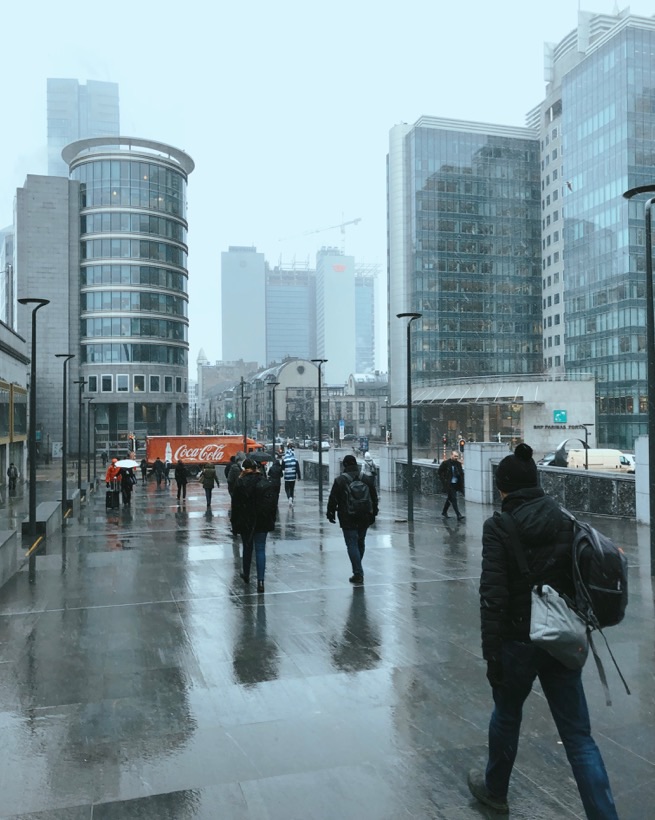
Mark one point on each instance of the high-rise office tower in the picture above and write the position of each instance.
(336, 314)
(597, 136)
(108, 249)
(77, 111)
(243, 298)
(365, 284)
(464, 251)
(290, 311)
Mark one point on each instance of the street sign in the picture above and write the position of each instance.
(559, 416)
(342, 429)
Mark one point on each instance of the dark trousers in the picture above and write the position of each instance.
(289, 488)
(356, 545)
(181, 490)
(522, 663)
(451, 500)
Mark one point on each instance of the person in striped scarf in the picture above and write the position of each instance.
(291, 467)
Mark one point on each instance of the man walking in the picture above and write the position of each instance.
(181, 477)
(451, 474)
(291, 467)
(356, 508)
(513, 662)
(12, 476)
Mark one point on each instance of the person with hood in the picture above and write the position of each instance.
(369, 467)
(513, 662)
(181, 477)
(254, 508)
(113, 472)
(451, 474)
(291, 467)
(208, 478)
(353, 526)
(128, 480)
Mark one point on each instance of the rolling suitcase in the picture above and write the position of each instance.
(113, 496)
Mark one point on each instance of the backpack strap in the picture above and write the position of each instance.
(515, 543)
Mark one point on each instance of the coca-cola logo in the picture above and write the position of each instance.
(208, 452)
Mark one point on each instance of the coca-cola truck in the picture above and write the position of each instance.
(195, 451)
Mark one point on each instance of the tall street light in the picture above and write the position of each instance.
(64, 433)
(650, 356)
(38, 304)
(273, 384)
(81, 383)
(410, 467)
(318, 363)
(246, 399)
(88, 442)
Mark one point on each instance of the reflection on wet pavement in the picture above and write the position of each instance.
(140, 678)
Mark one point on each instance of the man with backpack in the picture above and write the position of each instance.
(354, 499)
(254, 509)
(546, 536)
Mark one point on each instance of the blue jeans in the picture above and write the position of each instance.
(355, 544)
(522, 663)
(258, 541)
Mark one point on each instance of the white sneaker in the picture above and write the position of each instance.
(291, 502)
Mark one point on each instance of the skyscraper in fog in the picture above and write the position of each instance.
(77, 111)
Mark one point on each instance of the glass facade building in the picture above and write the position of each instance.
(133, 283)
(608, 133)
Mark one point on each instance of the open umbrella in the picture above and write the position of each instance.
(127, 463)
(261, 457)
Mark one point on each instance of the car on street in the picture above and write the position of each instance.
(325, 445)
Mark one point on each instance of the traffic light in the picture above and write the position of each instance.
(229, 415)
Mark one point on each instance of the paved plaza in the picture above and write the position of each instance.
(140, 677)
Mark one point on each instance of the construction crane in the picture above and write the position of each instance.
(342, 227)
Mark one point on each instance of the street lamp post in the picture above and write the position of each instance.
(410, 467)
(586, 444)
(246, 399)
(318, 363)
(650, 356)
(88, 442)
(64, 433)
(81, 383)
(273, 384)
(38, 303)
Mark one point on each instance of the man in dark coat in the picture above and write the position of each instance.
(513, 662)
(254, 508)
(451, 474)
(354, 527)
(181, 478)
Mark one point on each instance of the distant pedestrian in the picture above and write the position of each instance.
(226, 470)
(208, 478)
(370, 468)
(291, 467)
(167, 472)
(354, 524)
(104, 457)
(12, 476)
(158, 470)
(234, 472)
(254, 508)
(128, 479)
(144, 470)
(451, 474)
(181, 479)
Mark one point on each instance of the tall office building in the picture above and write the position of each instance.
(243, 298)
(365, 283)
(290, 312)
(464, 251)
(108, 249)
(336, 314)
(597, 132)
(77, 111)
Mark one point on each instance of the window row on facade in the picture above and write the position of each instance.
(13, 412)
(160, 328)
(120, 383)
(95, 274)
(133, 249)
(129, 222)
(104, 196)
(133, 300)
(128, 352)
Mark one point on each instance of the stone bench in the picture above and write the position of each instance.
(48, 519)
(8, 555)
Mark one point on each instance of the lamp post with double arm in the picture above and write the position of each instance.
(410, 468)
(38, 304)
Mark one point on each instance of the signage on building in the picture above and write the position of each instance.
(559, 416)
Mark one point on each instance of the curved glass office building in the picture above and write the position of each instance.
(133, 284)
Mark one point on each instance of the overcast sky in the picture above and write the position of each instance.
(285, 107)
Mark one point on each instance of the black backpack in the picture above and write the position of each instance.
(266, 494)
(358, 497)
(600, 575)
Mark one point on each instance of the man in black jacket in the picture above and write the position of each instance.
(513, 662)
(451, 474)
(353, 526)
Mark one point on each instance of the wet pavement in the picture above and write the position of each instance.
(140, 677)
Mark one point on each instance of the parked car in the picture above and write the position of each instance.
(325, 445)
(306, 443)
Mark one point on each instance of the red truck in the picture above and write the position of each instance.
(195, 451)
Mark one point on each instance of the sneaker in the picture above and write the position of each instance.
(444, 515)
(356, 579)
(260, 586)
(291, 501)
(478, 789)
(460, 517)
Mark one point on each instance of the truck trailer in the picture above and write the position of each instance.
(195, 451)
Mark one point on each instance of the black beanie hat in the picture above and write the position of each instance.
(518, 471)
(349, 461)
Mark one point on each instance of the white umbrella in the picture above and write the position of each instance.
(127, 463)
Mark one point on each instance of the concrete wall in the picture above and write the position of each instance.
(641, 479)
